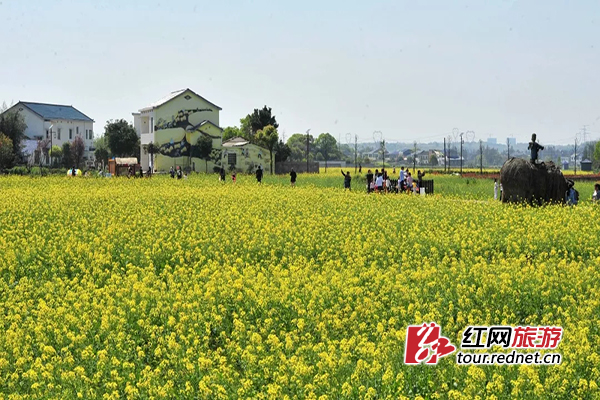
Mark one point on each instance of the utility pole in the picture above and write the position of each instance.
(461, 156)
(585, 149)
(508, 147)
(445, 155)
(480, 157)
(307, 149)
(383, 154)
(51, 144)
(355, 152)
(575, 156)
(415, 158)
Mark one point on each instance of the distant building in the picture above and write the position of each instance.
(174, 124)
(512, 141)
(57, 123)
(245, 156)
(492, 141)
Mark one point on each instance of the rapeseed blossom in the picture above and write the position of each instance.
(155, 288)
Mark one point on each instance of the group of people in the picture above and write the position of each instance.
(380, 182)
(177, 172)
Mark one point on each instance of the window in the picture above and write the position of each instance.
(86, 134)
(70, 133)
(151, 124)
(91, 135)
(58, 134)
(47, 134)
(231, 158)
(77, 131)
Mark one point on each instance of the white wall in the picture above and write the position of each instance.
(35, 124)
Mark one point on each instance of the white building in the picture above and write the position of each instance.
(59, 123)
(512, 141)
(492, 141)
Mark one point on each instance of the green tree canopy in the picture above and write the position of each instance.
(56, 153)
(433, 160)
(12, 124)
(66, 155)
(268, 137)
(297, 145)
(205, 147)
(327, 146)
(261, 118)
(6, 152)
(101, 152)
(282, 151)
(122, 138)
(231, 131)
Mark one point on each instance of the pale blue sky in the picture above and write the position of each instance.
(411, 69)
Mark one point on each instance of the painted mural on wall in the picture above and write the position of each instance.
(183, 148)
(180, 120)
(177, 147)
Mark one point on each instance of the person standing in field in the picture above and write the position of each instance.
(571, 195)
(179, 173)
(172, 172)
(293, 176)
(359, 168)
(596, 195)
(495, 189)
(409, 182)
(259, 174)
(222, 174)
(401, 180)
(369, 180)
(379, 183)
(420, 176)
(347, 179)
(233, 177)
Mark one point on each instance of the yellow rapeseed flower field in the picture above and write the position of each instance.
(161, 288)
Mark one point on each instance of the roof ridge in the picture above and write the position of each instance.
(46, 104)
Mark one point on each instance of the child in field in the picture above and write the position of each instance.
(495, 189)
(596, 195)
(233, 177)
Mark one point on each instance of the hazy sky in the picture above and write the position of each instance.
(413, 70)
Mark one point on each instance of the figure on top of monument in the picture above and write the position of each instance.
(535, 148)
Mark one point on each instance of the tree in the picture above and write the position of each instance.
(6, 152)
(282, 152)
(297, 145)
(327, 146)
(260, 119)
(66, 155)
(56, 153)
(77, 150)
(12, 125)
(268, 138)
(597, 152)
(43, 149)
(152, 149)
(205, 147)
(101, 152)
(246, 127)
(122, 138)
(230, 132)
(433, 161)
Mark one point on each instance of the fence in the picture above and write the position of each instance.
(286, 167)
